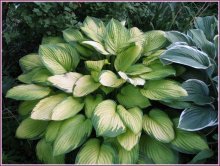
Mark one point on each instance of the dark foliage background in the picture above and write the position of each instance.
(24, 25)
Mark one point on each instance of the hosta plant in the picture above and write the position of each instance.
(112, 94)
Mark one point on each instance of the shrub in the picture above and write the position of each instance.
(113, 92)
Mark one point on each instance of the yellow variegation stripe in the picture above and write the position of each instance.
(106, 120)
(67, 108)
(158, 125)
(128, 139)
(72, 134)
(44, 109)
(94, 152)
(132, 118)
(84, 86)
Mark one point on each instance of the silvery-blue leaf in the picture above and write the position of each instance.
(185, 55)
(197, 118)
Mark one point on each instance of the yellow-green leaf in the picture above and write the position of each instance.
(52, 130)
(158, 152)
(158, 125)
(29, 128)
(28, 92)
(109, 79)
(106, 120)
(71, 34)
(67, 108)
(44, 151)
(95, 152)
(187, 141)
(154, 40)
(128, 140)
(132, 118)
(44, 109)
(94, 28)
(30, 61)
(66, 81)
(26, 107)
(117, 37)
(159, 71)
(84, 86)
(131, 96)
(96, 65)
(90, 104)
(57, 59)
(126, 58)
(163, 90)
(72, 134)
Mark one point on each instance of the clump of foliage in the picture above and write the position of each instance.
(114, 91)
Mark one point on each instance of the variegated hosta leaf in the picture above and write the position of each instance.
(201, 42)
(185, 55)
(26, 107)
(177, 104)
(95, 75)
(95, 152)
(135, 80)
(27, 76)
(152, 57)
(36, 75)
(137, 35)
(198, 92)
(158, 125)
(157, 152)
(28, 92)
(131, 96)
(106, 90)
(163, 90)
(109, 79)
(44, 152)
(138, 69)
(41, 77)
(96, 65)
(72, 134)
(116, 37)
(57, 59)
(94, 28)
(188, 141)
(84, 86)
(83, 51)
(154, 40)
(66, 81)
(158, 71)
(175, 36)
(132, 118)
(128, 157)
(128, 140)
(91, 103)
(52, 40)
(106, 120)
(44, 109)
(71, 34)
(72, 51)
(29, 128)
(97, 46)
(127, 57)
(198, 117)
(52, 130)
(30, 62)
(67, 108)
